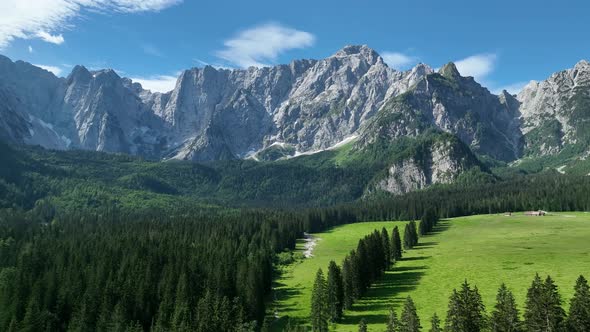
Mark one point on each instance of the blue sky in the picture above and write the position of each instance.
(501, 43)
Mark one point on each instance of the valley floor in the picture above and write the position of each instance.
(486, 250)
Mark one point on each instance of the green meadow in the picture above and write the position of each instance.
(485, 250)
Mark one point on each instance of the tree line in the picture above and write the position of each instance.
(466, 312)
(375, 253)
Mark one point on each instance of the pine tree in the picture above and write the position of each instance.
(335, 295)
(505, 315)
(578, 319)
(319, 305)
(466, 310)
(362, 326)
(408, 241)
(396, 245)
(347, 283)
(414, 233)
(543, 306)
(393, 324)
(410, 322)
(386, 248)
(435, 324)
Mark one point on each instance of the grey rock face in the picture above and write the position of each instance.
(307, 105)
(555, 112)
(211, 113)
(446, 101)
(442, 163)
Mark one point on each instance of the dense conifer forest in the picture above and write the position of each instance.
(136, 253)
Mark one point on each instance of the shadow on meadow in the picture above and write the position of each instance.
(387, 291)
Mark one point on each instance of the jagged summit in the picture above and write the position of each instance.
(449, 70)
(363, 51)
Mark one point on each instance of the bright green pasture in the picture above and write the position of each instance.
(486, 250)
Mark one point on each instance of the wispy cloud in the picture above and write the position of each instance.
(54, 39)
(157, 83)
(262, 44)
(45, 19)
(151, 50)
(57, 71)
(30, 49)
(513, 88)
(398, 60)
(478, 66)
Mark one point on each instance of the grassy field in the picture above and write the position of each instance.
(486, 250)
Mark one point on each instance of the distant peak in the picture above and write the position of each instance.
(79, 73)
(363, 50)
(582, 64)
(422, 69)
(449, 71)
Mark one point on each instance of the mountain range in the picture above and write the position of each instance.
(351, 98)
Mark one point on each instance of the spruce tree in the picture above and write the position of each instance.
(466, 310)
(578, 319)
(414, 233)
(362, 326)
(347, 283)
(410, 322)
(319, 305)
(386, 248)
(335, 292)
(408, 241)
(396, 245)
(505, 315)
(435, 324)
(543, 306)
(393, 324)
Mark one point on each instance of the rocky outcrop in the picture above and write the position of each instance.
(441, 162)
(556, 111)
(446, 101)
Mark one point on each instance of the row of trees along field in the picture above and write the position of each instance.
(466, 311)
(375, 253)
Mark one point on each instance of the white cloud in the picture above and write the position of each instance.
(159, 83)
(513, 88)
(478, 66)
(45, 18)
(55, 70)
(258, 45)
(54, 39)
(30, 49)
(398, 60)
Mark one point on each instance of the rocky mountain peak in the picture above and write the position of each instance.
(449, 71)
(362, 51)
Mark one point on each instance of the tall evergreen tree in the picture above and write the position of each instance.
(408, 240)
(543, 306)
(363, 325)
(505, 315)
(414, 232)
(393, 323)
(319, 305)
(335, 296)
(466, 310)
(396, 245)
(348, 282)
(386, 247)
(410, 322)
(435, 324)
(578, 319)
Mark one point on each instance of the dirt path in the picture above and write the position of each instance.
(310, 243)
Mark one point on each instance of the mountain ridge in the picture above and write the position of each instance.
(300, 108)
